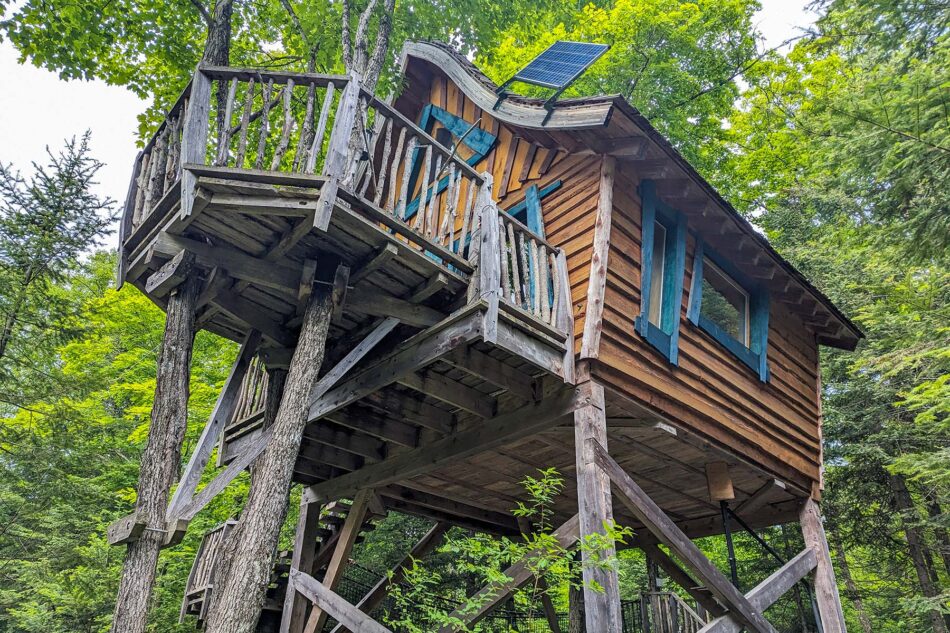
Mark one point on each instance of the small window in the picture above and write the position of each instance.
(725, 302)
(730, 308)
(663, 257)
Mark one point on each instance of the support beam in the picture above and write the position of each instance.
(348, 533)
(700, 594)
(826, 587)
(597, 284)
(377, 304)
(520, 573)
(169, 276)
(377, 594)
(767, 592)
(482, 437)
(595, 509)
(451, 392)
(223, 410)
(505, 521)
(329, 601)
(770, 491)
(416, 411)
(498, 373)
(294, 613)
(663, 528)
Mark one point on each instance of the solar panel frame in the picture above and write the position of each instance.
(560, 64)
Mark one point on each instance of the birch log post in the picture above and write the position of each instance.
(241, 581)
(160, 461)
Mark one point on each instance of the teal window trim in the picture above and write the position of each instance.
(756, 355)
(477, 140)
(664, 338)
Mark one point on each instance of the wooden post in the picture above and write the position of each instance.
(194, 138)
(335, 163)
(160, 460)
(482, 199)
(597, 284)
(594, 505)
(348, 533)
(489, 265)
(305, 544)
(826, 587)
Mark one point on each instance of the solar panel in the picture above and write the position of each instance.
(560, 64)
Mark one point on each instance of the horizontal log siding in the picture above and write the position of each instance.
(569, 212)
(774, 425)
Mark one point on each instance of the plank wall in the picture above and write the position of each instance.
(774, 425)
(515, 163)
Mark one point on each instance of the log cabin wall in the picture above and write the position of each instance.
(516, 162)
(773, 424)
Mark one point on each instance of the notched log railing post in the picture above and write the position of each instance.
(335, 164)
(194, 141)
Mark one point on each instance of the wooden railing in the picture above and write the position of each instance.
(666, 612)
(530, 277)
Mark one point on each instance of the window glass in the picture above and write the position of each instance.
(725, 303)
(656, 281)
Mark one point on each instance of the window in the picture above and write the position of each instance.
(663, 257)
(731, 309)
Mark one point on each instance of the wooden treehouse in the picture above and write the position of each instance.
(517, 284)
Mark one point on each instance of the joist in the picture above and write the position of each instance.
(496, 372)
(452, 392)
(330, 602)
(161, 282)
(413, 410)
(379, 304)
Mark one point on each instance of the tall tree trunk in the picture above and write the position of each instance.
(935, 512)
(161, 459)
(218, 51)
(850, 587)
(244, 569)
(917, 546)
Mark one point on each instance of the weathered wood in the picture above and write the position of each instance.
(245, 124)
(597, 283)
(767, 592)
(194, 138)
(595, 510)
(287, 129)
(265, 124)
(160, 460)
(378, 304)
(489, 434)
(769, 491)
(328, 601)
(663, 528)
(305, 542)
(255, 317)
(125, 530)
(520, 573)
(332, 377)
(220, 415)
(303, 143)
(682, 578)
(429, 541)
(169, 276)
(317, 143)
(496, 372)
(224, 134)
(826, 587)
(341, 553)
(451, 392)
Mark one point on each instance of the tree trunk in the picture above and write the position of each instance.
(919, 552)
(244, 569)
(161, 458)
(935, 512)
(851, 588)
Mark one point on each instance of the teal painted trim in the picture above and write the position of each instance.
(665, 337)
(533, 207)
(519, 211)
(756, 355)
(696, 285)
(478, 140)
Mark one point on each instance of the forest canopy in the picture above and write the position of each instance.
(837, 146)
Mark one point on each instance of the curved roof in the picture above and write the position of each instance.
(608, 124)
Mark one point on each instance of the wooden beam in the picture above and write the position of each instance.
(175, 271)
(700, 594)
(595, 509)
(378, 304)
(719, 482)
(322, 454)
(770, 491)
(339, 295)
(305, 544)
(351, 441)
(433, 285)
(498, 373)
(355, 355)
(597, 283)
(826, 587)
(255, 317)
(488, 598)
(450, 506)
(452, 392)
(767, 592)
(388, 429)
(663, 528)
(417, 352)
(377, 594)
(220, 415)
(484, 436)
(416, 411)
(334, 574)
(326, 600)
(376, 261)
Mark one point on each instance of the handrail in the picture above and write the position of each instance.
(279, 76)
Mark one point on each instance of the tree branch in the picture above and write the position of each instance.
(203, 10)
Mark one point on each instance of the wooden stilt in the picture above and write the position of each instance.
(348, 533)
(826, 587)
(601, 608)
(305, 545)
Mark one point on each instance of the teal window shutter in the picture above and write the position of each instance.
(665, 335)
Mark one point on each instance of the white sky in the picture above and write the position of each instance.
(37, 109)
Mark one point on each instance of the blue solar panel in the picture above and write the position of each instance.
(560, 64)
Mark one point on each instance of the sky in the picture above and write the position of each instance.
(37, 109)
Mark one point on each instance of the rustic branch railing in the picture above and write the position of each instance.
(666, 612)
